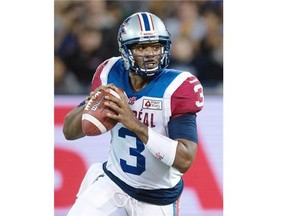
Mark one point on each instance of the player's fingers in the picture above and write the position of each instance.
(122, 105)
(120, 92)
(108, 87)
(112, 98)
(87, 99)
(113, 87)
(113, 106)
(112, 116)
(96, 92)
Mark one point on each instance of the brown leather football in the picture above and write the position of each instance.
(94, 119)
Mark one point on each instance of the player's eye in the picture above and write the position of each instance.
(137, 49)
(156, 48)
(140, 48)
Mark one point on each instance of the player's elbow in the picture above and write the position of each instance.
(67, 133)
(184, 166)
(69, 130)
(184, 161)
(71, 133)
(186, 153)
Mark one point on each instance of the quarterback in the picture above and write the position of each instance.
(155, 140)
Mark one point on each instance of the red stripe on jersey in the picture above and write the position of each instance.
(96, 81)
(184, 99)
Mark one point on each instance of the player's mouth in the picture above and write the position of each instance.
(150, 64)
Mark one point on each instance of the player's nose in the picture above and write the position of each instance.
(149, 52)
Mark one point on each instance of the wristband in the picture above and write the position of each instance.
(161, 147)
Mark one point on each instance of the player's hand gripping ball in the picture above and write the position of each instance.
(94, 119)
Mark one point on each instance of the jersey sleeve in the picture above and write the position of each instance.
(187, 98)
(183, 127)
(96, 80)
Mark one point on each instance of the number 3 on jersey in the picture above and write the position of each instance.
(134, 152)
(198, 88)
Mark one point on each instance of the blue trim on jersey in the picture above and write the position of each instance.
(156, 197)
(146, 22)
(117, 75)
(183, 127)
(155, 88)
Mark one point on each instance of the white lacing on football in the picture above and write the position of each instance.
(94, 121)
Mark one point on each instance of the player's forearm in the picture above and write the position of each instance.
(161, 146)
(185, 155)
(141, 130)
(72, 128)
(179, 153)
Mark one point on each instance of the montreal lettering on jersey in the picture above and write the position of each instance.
(145, 117)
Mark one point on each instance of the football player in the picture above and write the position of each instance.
(155, 140)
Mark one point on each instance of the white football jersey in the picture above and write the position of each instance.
(169, 94)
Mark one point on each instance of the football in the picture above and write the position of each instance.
(94, 119)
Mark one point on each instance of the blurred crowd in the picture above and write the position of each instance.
(85, 34)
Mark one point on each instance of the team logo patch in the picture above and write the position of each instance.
(159, 156)
(124, 27)
(152, 104)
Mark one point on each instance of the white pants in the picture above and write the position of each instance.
(99, 196)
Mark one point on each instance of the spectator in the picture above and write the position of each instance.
(211, 50)
(197, 23)
(85, 55)
(64, 82)
(182, 54)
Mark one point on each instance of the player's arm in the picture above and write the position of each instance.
(72, 128)
(185, 155)
(183, 129)
(180, 148)
(186, 101)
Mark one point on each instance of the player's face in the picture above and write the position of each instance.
(147, 56)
